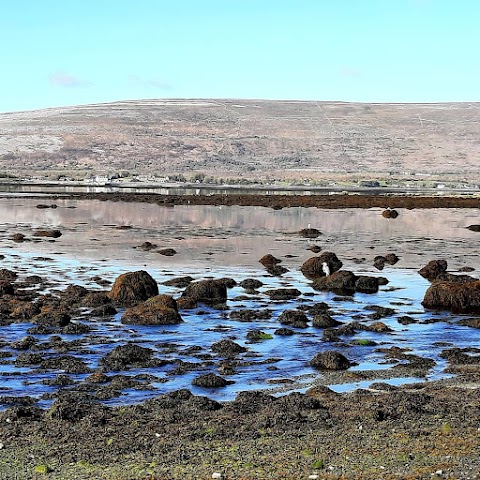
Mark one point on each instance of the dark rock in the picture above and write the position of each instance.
(104, 311)
(251, 284)
(391, 258)
(406, 320)
(315, 249)
(52, 318)
(26, 359)
(7, 275)
(314, 266)
(67, 363)
(433, 269)
(76, 328)
(390, 213)
(474, 228)
(6, 288)
(269, 260)
(73, 407)
(228, 348)
(250, 315)
(258, 335)
(18, 237)
(277, 270)
(330, 360)
(147, 246)
(365, 284)
(324, 320)
(285, 332)
(283, 293)
(470, 322)
(251, 402)
(381, 311)
(133, 287)
(449, 277)
(293, 318)
(210, 292)
(459, 298)
(379, 262)
(310, 233)
(179, 282)
(342, 282)
(60, 380)
(228, 282)
(95, 299)
(168, 252)
(127, 356)
(47, 233)
(158, 310)
(210, 380)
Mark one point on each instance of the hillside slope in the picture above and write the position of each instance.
(250, 138)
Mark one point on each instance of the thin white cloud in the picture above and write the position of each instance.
(66, 80)
(155, 83)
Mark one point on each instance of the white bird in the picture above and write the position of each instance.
(326, 269)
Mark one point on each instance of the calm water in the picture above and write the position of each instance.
(228, 241)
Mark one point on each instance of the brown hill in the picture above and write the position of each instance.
(249, 138)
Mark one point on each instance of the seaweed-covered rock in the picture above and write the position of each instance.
(342, 281)
(293, 318)
(66, 363)
(324, 320)
(158, 310)
(133, 287)
(457, 297)
(433, 269)
(210, 380)
(228, 348)
(330, 360)
(210, 292)
(127, 356)
(327, 262)
(283, 293)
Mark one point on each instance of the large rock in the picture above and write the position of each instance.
(210, 292)
(133, 287)
(457, 297)
(314, 267)
(330, 360)
(433, 269)
(342, 282)
(158, 310)
(366, 284)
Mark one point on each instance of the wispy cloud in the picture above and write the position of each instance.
(155, 83)
(66, 80)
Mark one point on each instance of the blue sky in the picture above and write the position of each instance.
(69, 52)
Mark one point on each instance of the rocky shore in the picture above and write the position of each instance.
(87, 344)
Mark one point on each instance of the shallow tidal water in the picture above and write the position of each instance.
(99, 239)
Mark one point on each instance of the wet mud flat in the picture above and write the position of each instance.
(210, 361)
